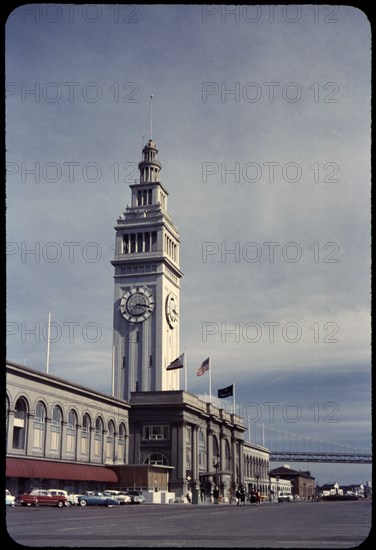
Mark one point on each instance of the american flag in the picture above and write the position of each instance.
(204, 367)
(177, 363)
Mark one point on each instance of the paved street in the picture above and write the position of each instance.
(273, 525)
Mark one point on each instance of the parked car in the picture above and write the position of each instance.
(285, 497)
(136, 496)
(97, 499)
(73, 499)
(40, 497)
(61, 492)
(9, 499)
(123, 498)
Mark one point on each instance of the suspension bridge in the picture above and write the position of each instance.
(291, 447)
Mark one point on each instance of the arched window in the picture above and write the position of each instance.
(85, 435)
(39, 428)
(201, 451)
(98, 435)
(156, 459)
(71, 432)
(227, 456)
(56, 421)
(121, 444)
(110, 439)
(20, 424)
(215, 449)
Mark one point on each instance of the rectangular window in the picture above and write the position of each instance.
(38, 438)
(156, 432)
(97, 447)
(84, 444)
(154, 241)
(139, 242)
(55, 437)
(188, 464)
(18, 438)
(70, 443)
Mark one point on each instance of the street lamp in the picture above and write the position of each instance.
(277, 479)
(216, 464)
(270, 485)
(257, 476)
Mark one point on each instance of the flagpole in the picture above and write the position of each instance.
(233, 393)
(210, 379)
(151, 116)
(185, 372)
(113, 372)
(48, 342)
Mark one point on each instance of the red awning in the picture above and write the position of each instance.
(21, 467)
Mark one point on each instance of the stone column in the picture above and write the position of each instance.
(47, 437)
(91, 443)
(11, 413)
(29, 436)
(195, 474)
(178, 479)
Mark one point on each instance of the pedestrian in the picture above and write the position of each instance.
(242, 496)
(258, 498)
(189, 496)
(237, 496)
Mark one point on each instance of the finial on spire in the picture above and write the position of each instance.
(151, 116)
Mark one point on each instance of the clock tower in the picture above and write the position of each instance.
(147, 282)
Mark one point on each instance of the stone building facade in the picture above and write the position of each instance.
(63, 435)
(52, 423)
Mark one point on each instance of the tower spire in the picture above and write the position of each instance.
(151, 116)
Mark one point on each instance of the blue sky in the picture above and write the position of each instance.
(262, 120)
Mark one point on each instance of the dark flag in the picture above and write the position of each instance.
(226, 392)
(177, 363)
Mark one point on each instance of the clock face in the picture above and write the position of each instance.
(137, 304)
(172, 310)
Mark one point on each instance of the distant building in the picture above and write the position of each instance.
(353, 490)
(279, 485)
(329, 489)
(256, 468)
(302, 483)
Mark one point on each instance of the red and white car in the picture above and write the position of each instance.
(40, 497)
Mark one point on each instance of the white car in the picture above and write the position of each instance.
(118, 495)
(285, 497)
(9, 499)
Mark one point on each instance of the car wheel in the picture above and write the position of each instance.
(60, 504)
(67, 503)
(83, 502)
(109, 505)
